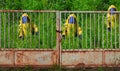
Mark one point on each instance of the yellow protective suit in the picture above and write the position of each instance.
(112, 17)
(71, 27)
(26, 26)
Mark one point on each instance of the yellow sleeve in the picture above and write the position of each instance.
(34, 26)
(79, 31)
(64, 29)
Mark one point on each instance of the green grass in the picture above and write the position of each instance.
(95, 33)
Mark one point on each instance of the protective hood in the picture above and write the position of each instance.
(72, 19)
(112, 9)
(25, 18)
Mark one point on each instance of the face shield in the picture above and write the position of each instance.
(112, 11)
(24, 19)
(72, 20)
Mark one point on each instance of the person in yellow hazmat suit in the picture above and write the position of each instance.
(71, 27)
(26, 26)
(112, 18)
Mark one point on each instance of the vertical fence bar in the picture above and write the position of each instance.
(94, 31)
(26, 37)
(98, 30)
(43, 31)
(111, 36)
(58, 39)
(35, 23)
(33, 20)
(65, 17)
(77, 32)
(86, 29)
(90, 30)
(39, 28)
(59, 21)
(69, 31)
(17, 29)
(52, 30)
(0, 30)
(73, 36)
(47, 29)
(13, 32)
(30, 34)
(22, 32)
(34, 30)
(82, 27)
(30, 39)
(115, 30)
(4, 29)
(112, 30)
(103, 30)
(107, 37)
(119, 28)
(8, 29)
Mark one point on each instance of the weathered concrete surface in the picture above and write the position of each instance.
(37, 58)
(6, 58)
(81, 59)
(112, 58)
(46, 58)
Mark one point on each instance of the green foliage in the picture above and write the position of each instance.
(57, 4)
(85, 4)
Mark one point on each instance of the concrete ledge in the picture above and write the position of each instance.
(48, 58)
(7, 58)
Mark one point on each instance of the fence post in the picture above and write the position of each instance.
(58, 38)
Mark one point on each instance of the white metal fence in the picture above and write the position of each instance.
(101, 44)
(95, 33)
(9, 30)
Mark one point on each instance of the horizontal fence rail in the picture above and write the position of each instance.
(88, 39)
(27, 11)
